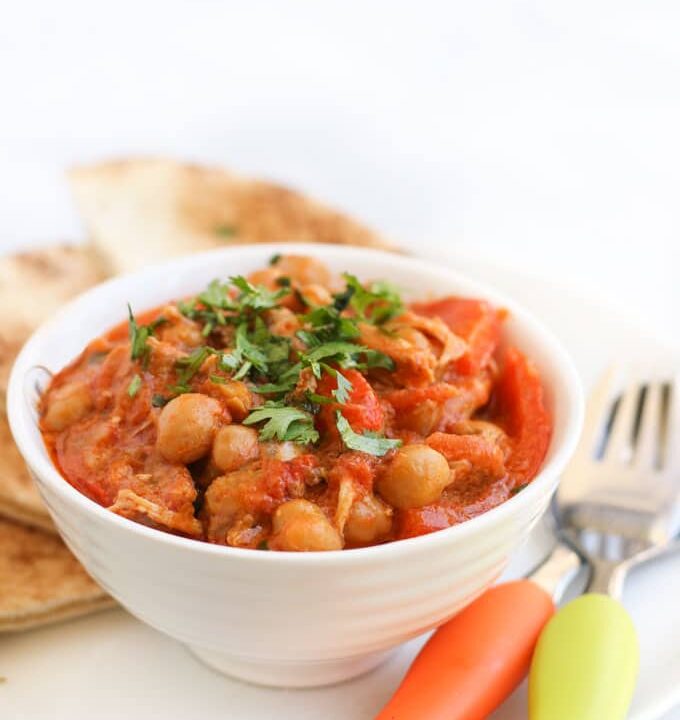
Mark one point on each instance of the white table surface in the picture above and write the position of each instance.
(543, 136)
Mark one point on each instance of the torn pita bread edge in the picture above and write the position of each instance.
(52, 615)
(55, 274)
(16, 512)
(41, 581)
(143, 210)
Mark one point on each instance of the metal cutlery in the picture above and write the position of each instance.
(618, 503)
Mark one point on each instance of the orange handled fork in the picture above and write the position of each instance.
(474, 661)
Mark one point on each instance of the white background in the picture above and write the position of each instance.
(544, 134)
(537, 135)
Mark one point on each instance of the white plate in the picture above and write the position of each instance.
(111, 666)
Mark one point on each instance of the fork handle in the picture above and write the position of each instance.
(607, 577)
(585, 663)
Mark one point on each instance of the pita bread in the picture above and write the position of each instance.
(136, 211)
(40, 580)
(19, 497)
(141, 211)
(32, 284)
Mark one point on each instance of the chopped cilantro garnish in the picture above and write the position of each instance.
(216, 295)
(367, 442)
(327, 342)
(283, 422)
(341, 394)
(274, 258)
(262, 351)
(377, 359)
(139, 334)
(377, 304)
(230, 302)
(188, 367)
(326, 324)
(343, 353)
(134, 386)
(160, 400)
(256, 297)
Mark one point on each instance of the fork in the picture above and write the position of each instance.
(618, 503)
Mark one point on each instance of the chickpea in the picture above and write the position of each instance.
(235, 396)
(283, 321)
(267, 277)
(66, 405)
(422, 418)
(415, 477)
(187, 426)
(368, 521)
(315, 294)
(300, 525)
(234, 446)
(225, 502)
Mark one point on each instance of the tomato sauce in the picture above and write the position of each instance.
(289, 413)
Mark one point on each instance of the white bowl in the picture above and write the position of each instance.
(280, 618)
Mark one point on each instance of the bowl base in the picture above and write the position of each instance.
(290, 674)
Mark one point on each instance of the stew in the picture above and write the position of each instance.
(297, 410)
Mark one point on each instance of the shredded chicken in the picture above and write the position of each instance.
(346, 496)
(134, 507)
(452, 346)
(420, 347)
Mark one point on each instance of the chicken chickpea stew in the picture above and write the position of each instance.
(298, 410)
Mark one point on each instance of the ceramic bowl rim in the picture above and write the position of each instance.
(20, 415)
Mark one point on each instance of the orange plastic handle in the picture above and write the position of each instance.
(474, 661)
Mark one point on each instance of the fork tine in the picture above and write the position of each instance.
(649, 438)
(672, 439)
(597, 411)
(620, 438)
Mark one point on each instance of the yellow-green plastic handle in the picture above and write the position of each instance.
(585, 663)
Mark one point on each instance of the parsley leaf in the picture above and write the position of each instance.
(341, 394)
(134, 385)
(340, 352)
(264, 352)
(216, 295)
(139, 334)
(376, 304)
(219, 305)
(377, 359)
(190, 365)
(256, 297)
(327, 325)
(367, 443)
(283, 423)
